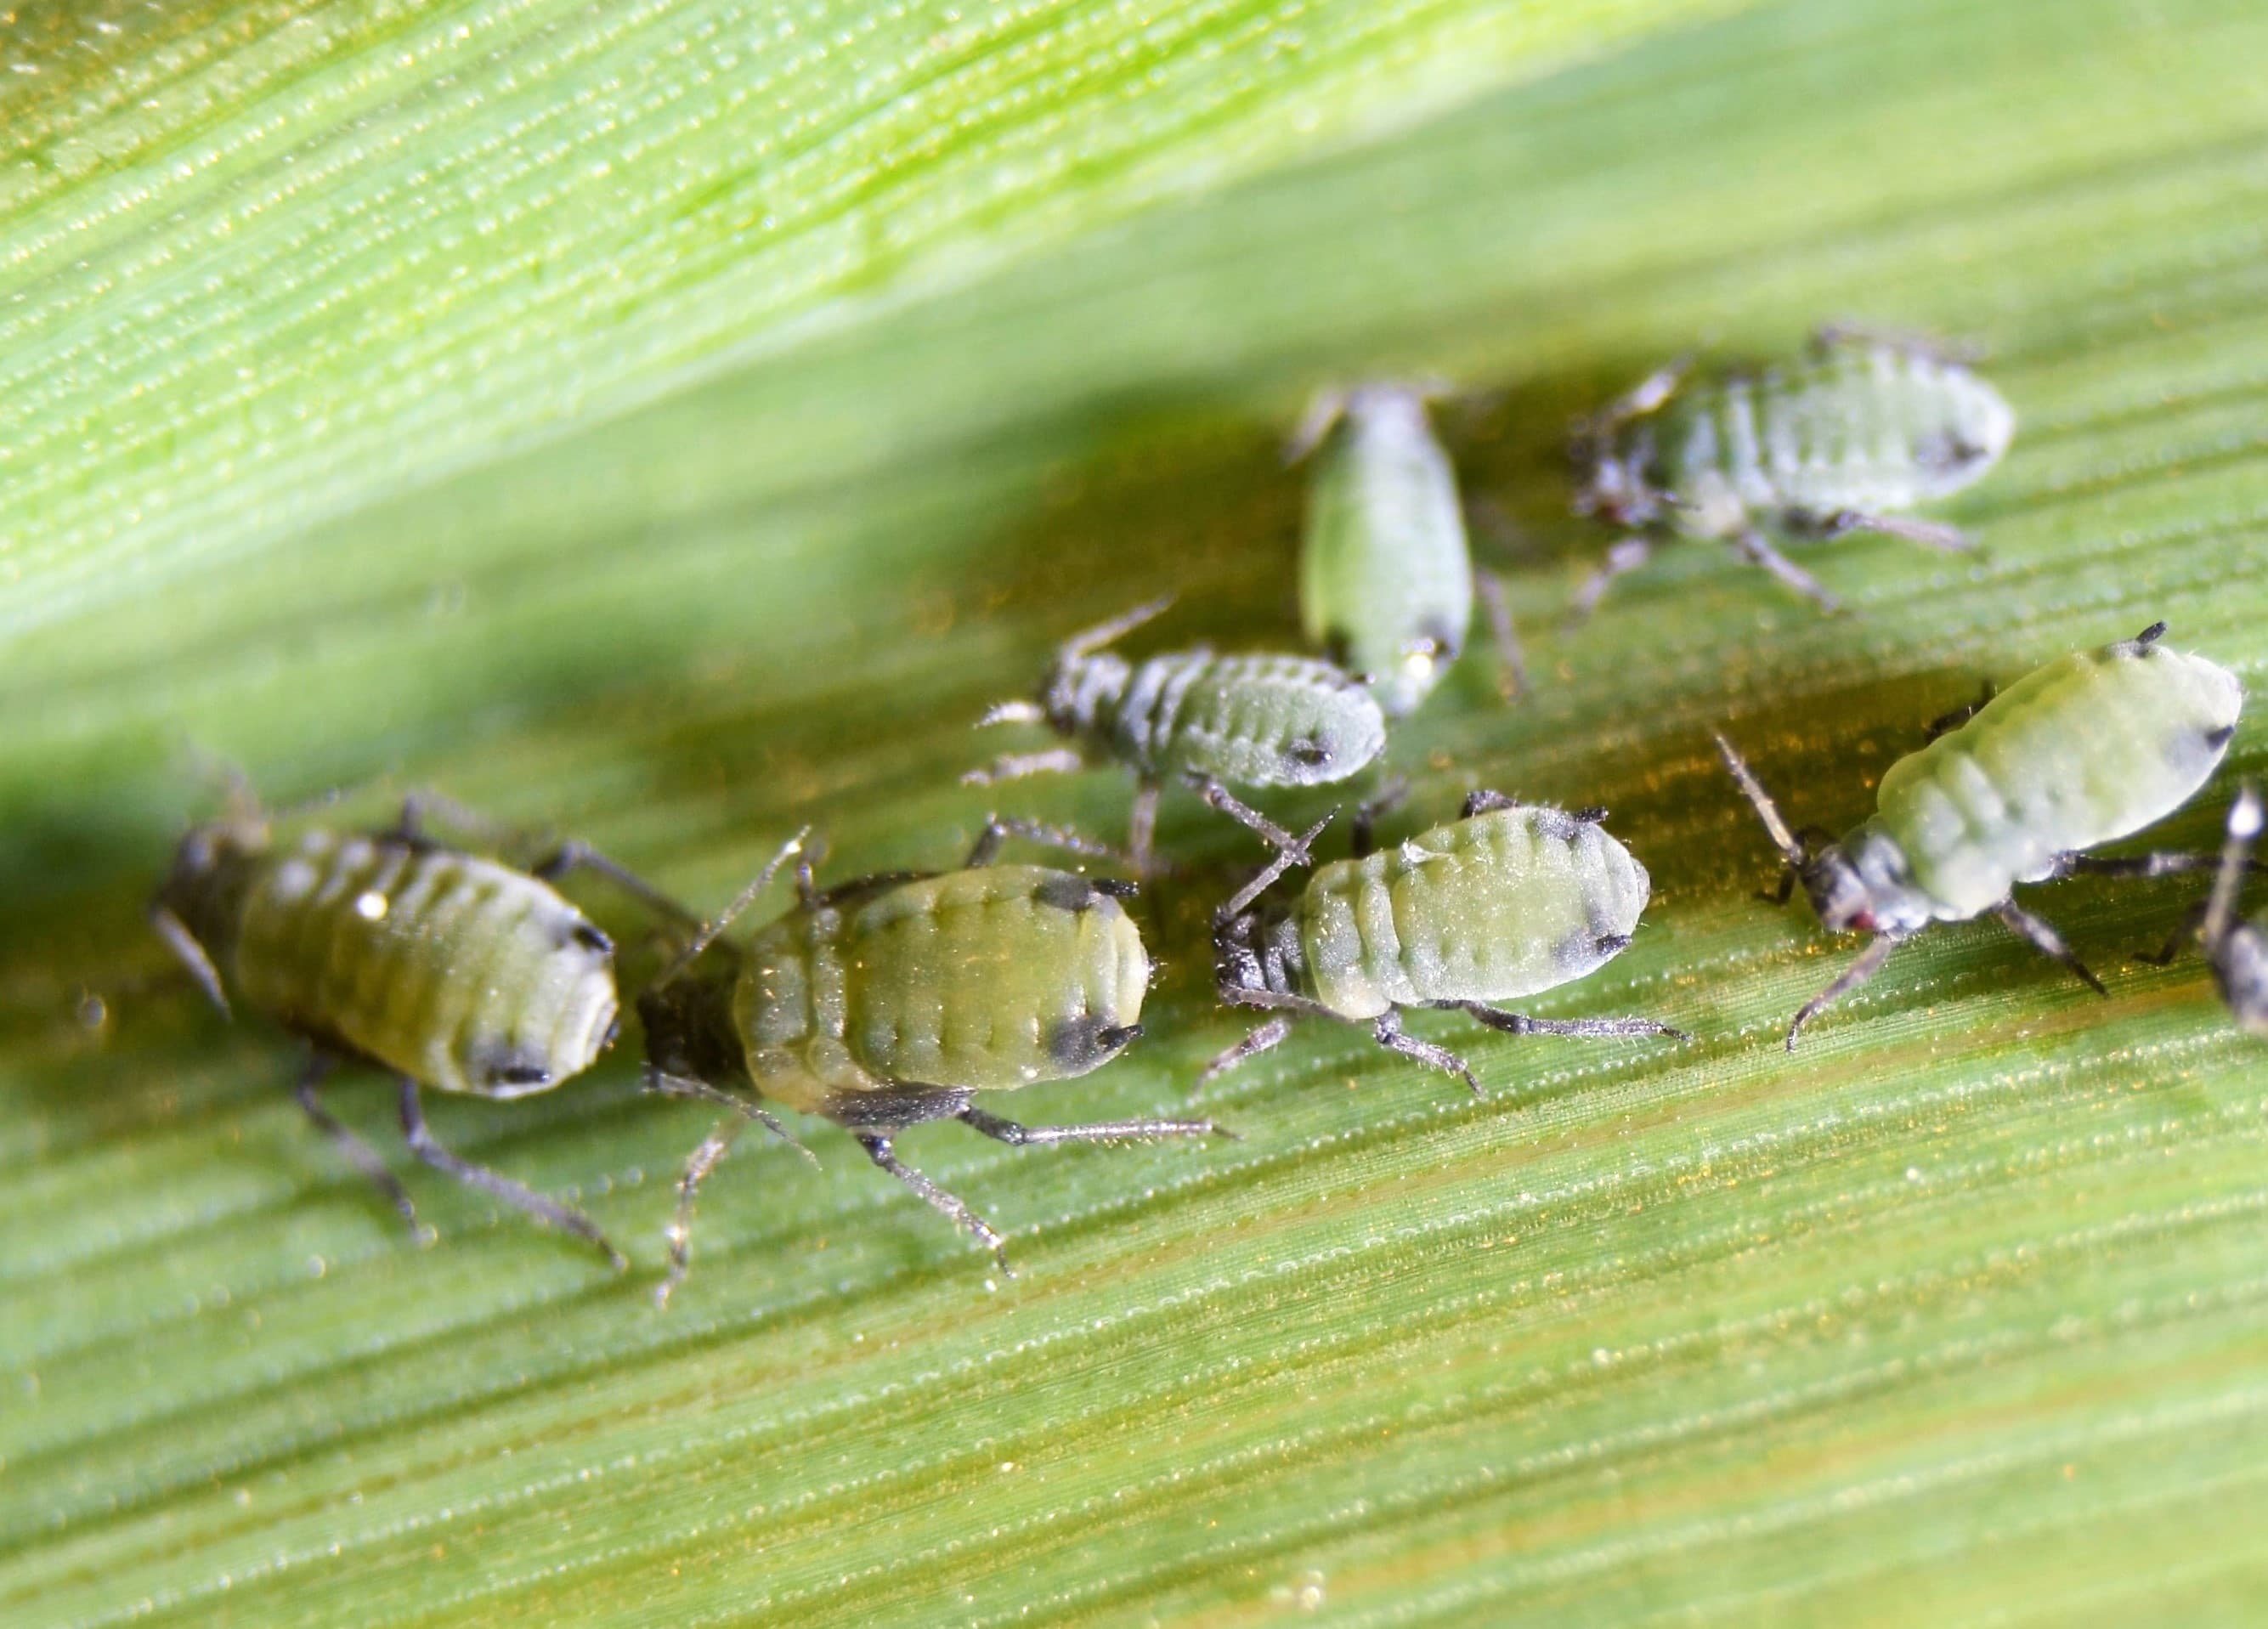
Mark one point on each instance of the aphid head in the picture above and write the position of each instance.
(1856, 886)
(195, 911)
(1084, 677)
(1613, 452)
(689, 1033)
(1257, 953)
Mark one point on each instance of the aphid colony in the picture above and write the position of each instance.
(889, 1000)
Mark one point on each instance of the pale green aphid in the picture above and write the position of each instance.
(1387, 580)
(2090, 748)
(1867, 426)
(447, 969)
(1508, 900)
(2236, 949)
(893, 1000)
(1261, 720)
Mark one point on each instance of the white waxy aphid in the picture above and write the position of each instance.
(2089, 749)
(892, 1001)
(446, 969)
(1387, 580)
(1195, 716)
(1506, 900)
(1865, 429)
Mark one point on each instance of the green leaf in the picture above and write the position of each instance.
(418, 389)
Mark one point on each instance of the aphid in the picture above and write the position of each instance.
(2094, 746)
(893, 1000)
(1191, 715)
(1507, 900)
(1387, 580)
(2236, 949)
(1866, 426)
(445, 969)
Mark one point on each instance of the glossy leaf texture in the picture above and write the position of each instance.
(751, 448)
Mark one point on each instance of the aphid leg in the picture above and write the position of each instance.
(1929, 534)
(1322, 412)
(2192, 921)
(1912, 342)
(1268, 1035)
(2157, 863)
(2045, 940)
(1868, 963)
(878, 1150)
(1752, 546)
(190, 954)
(1589, 1029)
(1626, 556)
(706, 935)
(1512, 676)
(577, 855)
(664, 1085)
(2212, 919)
(1142, 827)
(705, 1159)
(359, 1154)
(2244, 822)
(1945, 723)
(1387, 1030)
(1000, 828)
(495, 1183)
(1384, 801)
(1018, 711)
(1252, 820)
(1095, 1132)
(1021, 765)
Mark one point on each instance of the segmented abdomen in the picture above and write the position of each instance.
(973, 980)
(2084, 751)
(460, 973)
(1501, 905)
(1249, 720)
(1871, 428)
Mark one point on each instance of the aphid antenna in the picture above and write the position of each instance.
(1323, 411)
(708, 935)
(1088, 641)
(1021, 710)
(663, 1084)
(1292, 853)
(191, 954)
(1792, 848)
(2244, 824)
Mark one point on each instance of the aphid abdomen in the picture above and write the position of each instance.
(461, 974)
(2083, 751)
(1498, 906)
(1248, 720)
(991, 978)
(1866, 429)
(1385, 579)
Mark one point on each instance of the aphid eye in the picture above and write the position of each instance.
(2218, 738)
(1307, 752)
(1117, 888)
(1611, 943)
(1119, 1036)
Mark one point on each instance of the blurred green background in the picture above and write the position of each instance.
(673, 422)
